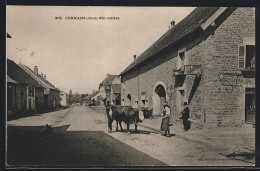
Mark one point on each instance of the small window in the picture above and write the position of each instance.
(146, 104)
(246, 57)
(181, 59)
(143, 103)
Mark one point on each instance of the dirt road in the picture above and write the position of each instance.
(81, 123)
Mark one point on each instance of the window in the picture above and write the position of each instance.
(182, 56)
(146, 103)
(31, 91)
(181, 60)
(246, 57)
(143, 97)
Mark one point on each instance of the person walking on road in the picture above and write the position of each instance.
(165, 125)
(185, 116)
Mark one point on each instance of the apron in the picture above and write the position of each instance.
(165, 122)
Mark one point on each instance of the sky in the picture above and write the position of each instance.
(78, 54)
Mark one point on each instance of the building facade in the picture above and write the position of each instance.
(23, 92)
(51, 97)
(63, 98)
(105, 88)
(207, 60)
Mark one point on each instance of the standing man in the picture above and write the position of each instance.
(165, 126)
(185, 116)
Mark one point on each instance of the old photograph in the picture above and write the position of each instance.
(110, 86)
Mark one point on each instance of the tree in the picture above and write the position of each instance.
(70, 97)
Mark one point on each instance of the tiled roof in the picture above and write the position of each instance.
(107, 81)
(91, 95)
(189, 24)
(40, 77)
(19, 75)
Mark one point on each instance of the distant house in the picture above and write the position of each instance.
(63, 98)
(96, 97)
(115, 95)
(23, 92)
(92, 97)
(105, 88)
(51, 94)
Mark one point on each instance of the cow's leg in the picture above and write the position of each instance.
(136, 126)
(109, 123)
(136, 123)
(120, 124)
(116, 125)
(128, 125)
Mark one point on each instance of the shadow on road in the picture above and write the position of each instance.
(48, 146)
(33, 113)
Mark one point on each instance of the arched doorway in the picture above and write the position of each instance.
(129, 99)
(159, 97)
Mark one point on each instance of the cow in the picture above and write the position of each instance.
(123, 113)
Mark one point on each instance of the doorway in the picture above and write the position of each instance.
(250, 105)
(158, 99)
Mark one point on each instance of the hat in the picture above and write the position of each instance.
(185, 103)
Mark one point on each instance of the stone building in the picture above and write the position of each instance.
(207, 59)
(51, 97)
(63, 98)
(22, 90)
(115, 86)
(105, 88)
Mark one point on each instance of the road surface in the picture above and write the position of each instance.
(79, 136)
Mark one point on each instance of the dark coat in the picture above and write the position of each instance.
(185, 113)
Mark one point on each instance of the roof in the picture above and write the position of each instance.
(10, 80)
(19, 75)
(40, 77)
(189, 24)
(116, 88)
(91, 95)
(107, 81)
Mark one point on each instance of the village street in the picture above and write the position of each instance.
(78, 136)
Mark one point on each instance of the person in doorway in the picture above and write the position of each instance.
(185, 116)
(165, 125)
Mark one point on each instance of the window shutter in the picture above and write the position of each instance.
(241, 57)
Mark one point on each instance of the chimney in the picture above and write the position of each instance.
(36, 70)
(108, 75)
(134, 57)
(44, 76)
(172, 24)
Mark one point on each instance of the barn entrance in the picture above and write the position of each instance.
(159, 97)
